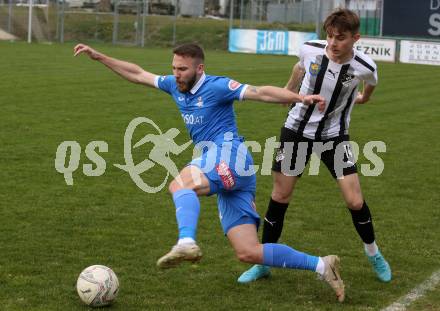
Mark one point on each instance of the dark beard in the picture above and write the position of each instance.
(188, 85)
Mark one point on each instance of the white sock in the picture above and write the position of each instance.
(371, 249)
(320, 268)
(186, 241)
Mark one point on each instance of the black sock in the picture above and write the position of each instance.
(273, 221)
(363, 223)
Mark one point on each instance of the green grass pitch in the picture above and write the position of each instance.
(50, 231)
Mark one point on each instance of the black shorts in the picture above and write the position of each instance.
(295, 151)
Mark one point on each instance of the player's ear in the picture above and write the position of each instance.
(200, 68)
(356, 37)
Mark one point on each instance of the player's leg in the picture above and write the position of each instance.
(363, 222)
(248, 249)
(185, 188)
(211, 173)
(240, 222)
(341, 164)
(282, 191)
(287, 168)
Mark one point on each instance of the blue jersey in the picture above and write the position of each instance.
(208, 114)
(206, 109)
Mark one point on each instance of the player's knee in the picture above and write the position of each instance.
(179, 183)
(281, 195)
(355, 203)
(175, 185)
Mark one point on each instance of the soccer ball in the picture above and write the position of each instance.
(97, 286)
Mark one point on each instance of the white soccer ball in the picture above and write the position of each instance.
(97, 286)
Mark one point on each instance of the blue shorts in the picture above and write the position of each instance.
(228, 167)
(237, 208)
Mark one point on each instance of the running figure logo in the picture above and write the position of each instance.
(163, 145)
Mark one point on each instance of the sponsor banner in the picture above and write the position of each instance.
(420, 52)
(243, 40)
(411, 18)
(268, 41)
(272, 42)
(378, 49)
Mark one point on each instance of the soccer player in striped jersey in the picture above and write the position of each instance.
(336, 71)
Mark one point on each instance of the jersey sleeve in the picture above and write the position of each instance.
(229, 90)
(165, 83)
(368, 71)
(301, 56)
(371, 77)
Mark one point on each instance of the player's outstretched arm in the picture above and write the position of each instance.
(129, 71)
(273, 94)
(364, 96)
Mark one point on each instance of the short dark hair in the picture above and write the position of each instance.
(342, 20)
(192, 50)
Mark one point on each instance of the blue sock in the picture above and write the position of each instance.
(283, 256)
(187, 212)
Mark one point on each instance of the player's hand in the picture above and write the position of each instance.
(315, 99)
(82, 48)
(360, 99)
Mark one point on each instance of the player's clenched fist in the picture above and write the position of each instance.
(315, 99)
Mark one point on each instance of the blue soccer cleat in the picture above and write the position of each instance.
(254, 273)
(380, 266)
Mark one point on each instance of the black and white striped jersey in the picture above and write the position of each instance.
(337, 83)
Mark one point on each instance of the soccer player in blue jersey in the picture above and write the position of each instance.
(225, 166)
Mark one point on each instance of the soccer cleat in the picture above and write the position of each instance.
(179, 253)
(254, 273)
(380, 266)
(332, 277)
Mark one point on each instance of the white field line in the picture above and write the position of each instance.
(415, 293)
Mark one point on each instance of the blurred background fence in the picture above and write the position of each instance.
(168, 22)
